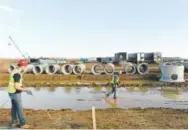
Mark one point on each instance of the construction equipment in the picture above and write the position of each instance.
(16, 46)
(32, 60)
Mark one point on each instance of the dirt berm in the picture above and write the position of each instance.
(105, 118)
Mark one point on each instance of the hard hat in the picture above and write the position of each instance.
(22, 62)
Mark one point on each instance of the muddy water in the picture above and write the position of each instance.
(77, 98)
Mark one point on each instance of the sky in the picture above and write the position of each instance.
(93, 28)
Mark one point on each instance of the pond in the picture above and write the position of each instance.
(83, 98)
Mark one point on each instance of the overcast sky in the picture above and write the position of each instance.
(91, 28)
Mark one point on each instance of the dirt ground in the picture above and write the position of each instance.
(105, 118)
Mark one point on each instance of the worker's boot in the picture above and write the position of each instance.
(25, 126)
(115, 100)
(15, 125)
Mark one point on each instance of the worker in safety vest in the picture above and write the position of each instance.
(114, 84)
(15, 88)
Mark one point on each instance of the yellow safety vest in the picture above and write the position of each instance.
(115, 80)
(11, 87)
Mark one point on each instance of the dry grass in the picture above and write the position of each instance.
(90, 80)
(4, 64)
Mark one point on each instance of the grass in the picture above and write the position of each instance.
(89, 80)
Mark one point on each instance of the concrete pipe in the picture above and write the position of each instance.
(11, 68)
(67, 69)
(28, 69)
(39, 69)
(172, 72)
(97, 69)
(142, 68)
(79, 69)
(130, 68)
(109, 68)
(52, 69)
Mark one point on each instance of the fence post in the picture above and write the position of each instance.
(94, 118)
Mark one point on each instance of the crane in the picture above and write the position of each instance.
(28, 58)
(16, 46)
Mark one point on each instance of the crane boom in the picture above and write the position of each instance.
(17, 48)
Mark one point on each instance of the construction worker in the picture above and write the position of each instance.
(15, 88)
(114, 84)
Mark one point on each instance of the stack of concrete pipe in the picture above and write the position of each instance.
(99, 69)
(78, 69)
(51, 69)
(130, 68)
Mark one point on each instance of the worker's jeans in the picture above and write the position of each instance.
(113, 91)
(17, 109)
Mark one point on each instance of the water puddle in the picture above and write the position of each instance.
(83, 98)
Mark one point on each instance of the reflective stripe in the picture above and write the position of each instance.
(11, 84)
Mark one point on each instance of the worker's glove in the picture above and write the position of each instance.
(29, 92)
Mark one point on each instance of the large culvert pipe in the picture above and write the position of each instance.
(109, 69)
(97, 69)
(52, 69)
(39, 69)
(11, 68)
(79, 69)
(28, 69)
(67, 69)
(172, 72)
(142, 68)
(130, 68)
